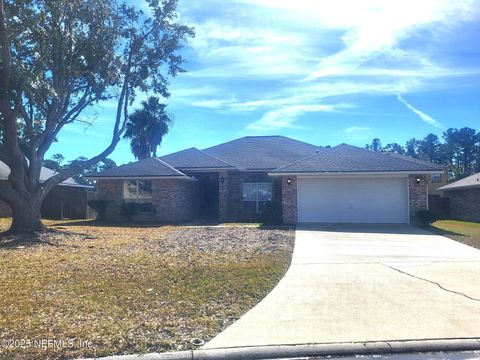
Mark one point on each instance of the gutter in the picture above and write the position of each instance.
(312, 350)
(354, 173)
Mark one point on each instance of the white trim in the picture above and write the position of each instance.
(205, 169)
(408, 200)
(363, 173)
(185, 177)
(428, 200)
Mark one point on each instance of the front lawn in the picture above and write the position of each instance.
(462, 231)
(124, 290)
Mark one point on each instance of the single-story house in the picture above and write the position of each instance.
(67, 200)
(271, 177)
(464, 198)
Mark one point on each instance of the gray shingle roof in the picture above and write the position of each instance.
(470, 182)
(261, 152)
(151, 167)
(45, 174)
(346, 158)
(415, 160)
(193, 159)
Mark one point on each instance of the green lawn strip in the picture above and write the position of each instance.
(462, 231)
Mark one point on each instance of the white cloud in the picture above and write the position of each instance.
(427, 118)
(296, 54)
(356, 129)
(285, 116)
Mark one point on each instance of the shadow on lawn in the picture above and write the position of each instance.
(96, 223)
(438, 231)
(51, 237)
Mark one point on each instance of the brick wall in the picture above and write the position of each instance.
(289, 200)
(174, 200)
(231, 195)
(112, 191)
(464, 204)
(418, 196)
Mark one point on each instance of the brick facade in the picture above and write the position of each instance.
(289, 200)
(464, 204)
(417, 195)
(173, 200)
(231, 195)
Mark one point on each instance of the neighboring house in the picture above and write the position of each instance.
(270, 177)
(464, 198)
(66, 200)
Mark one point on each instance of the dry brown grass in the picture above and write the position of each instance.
(133, 289)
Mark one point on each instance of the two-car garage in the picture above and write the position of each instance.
(365, 199)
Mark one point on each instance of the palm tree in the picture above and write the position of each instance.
(146, 128)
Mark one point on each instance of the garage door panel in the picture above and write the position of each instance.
(357, 200)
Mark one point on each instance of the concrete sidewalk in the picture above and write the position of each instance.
(366, 283)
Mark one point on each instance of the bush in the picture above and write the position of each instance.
(270, 212)
(100, 206)
(426, 217)
(129, 210)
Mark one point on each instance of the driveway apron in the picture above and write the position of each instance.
(355, 283)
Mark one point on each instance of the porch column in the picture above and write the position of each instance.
(223, 195)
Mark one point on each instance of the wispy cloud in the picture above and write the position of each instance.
(285, 116)
(285, 58)
(425, 117)
(356, 129)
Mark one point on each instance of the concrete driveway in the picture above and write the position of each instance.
(355, 283)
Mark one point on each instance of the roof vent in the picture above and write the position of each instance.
(317, 151)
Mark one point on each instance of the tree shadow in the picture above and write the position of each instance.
(9, 240)
(97, 223)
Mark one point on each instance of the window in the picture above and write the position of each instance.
(255, 196)
(436, 179)
(140, 192)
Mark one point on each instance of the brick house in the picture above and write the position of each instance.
(272, 178)
(67, 200)
(464, 198)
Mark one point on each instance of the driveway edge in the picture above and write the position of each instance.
(306, 350)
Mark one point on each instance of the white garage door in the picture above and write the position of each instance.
(352, 200)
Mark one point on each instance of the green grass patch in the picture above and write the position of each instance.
(462, 231)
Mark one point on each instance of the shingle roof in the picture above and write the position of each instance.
(151, 167)
(415, 160)
(470, 182)
(45, 174)
(193, 159)
(346, 158)
(261, 152)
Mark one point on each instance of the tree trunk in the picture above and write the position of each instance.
(26, 214)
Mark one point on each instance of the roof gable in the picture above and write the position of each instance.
(151, 167)
(45, 174)
(261, 152)
(470, 182)
(194, 159)
(348, 159)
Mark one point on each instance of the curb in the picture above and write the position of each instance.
(310, 350)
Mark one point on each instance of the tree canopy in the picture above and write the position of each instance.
(458, 148)
(146, 128)
(60, 57)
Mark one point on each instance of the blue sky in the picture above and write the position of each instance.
(324, 72)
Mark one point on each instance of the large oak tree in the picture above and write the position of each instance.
(60, 57)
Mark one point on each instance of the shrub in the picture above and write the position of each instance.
(270, 212)
(100, 206)
(129, 210)
(426, 217)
